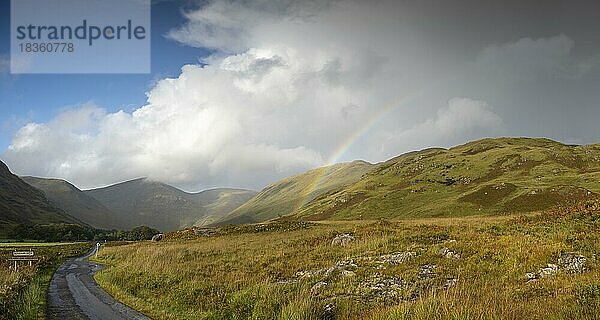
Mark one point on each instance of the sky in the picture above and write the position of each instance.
(243, 93)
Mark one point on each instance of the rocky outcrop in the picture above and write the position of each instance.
(396, 257)
(572, 262)
(568, 262)
(204, 232)
(157, 237)
(383, 287)
(549, 271)
(318, 288)
(344, 239)
(343, 268)
(447, 253)
(450, 282)
(427, 271)
(371, 284)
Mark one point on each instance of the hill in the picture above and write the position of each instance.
(220, 202)
(150, 203)
(75, 202)
(288, 195)
(21, 203)
(489, 176)
(161, 206)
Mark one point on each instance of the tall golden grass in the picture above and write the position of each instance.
(243, 275)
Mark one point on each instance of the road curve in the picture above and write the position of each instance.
(74, 294)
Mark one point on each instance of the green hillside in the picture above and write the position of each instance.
(220, 202)
(75, 202)
(287, 195)
(489, 176)
(21, 203)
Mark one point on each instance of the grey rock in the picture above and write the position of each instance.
(397, 257)
(427, 271)
(318, 288)
(531, 276)
(204, 232)
(346, 264)
(343, 240)
(157, 237)
(450, 282)
(549, 271)
(389, 287)
(447, 253)
(569, 262)
(347, 273)
(572, 262)
(309, 273)
(339, 267)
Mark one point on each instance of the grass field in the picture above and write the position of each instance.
(34, 244)
(23, 292)
(437, 268)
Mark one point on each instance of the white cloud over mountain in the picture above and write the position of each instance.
(285, 88)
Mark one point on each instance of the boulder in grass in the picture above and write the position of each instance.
(447, 253)
(344, 239)
(318, 288)
(572, 262)
(427, 271)
(397, 257)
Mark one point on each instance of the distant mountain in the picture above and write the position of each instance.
(21, 203)
(155, 204)
(220, 202)
(293, 193)
(161, 206)
(77, 203)
(489, 176)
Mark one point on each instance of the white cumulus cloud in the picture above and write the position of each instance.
(285, 88)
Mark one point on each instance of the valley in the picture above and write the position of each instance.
(496, 228)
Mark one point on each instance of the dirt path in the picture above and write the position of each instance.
(74, 294)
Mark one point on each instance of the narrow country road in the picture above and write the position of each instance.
(74, 294)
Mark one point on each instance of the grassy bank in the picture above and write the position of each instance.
(20, 245)
(392, 270)
(23, 293)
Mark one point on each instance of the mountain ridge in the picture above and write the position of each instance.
(74, 201)
(21, 203)
(164, 206)
(284, 196)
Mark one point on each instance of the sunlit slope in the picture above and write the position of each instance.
(490, 176)
(220, 202)
(290, 194)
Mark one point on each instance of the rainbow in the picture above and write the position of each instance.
(344, 147)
